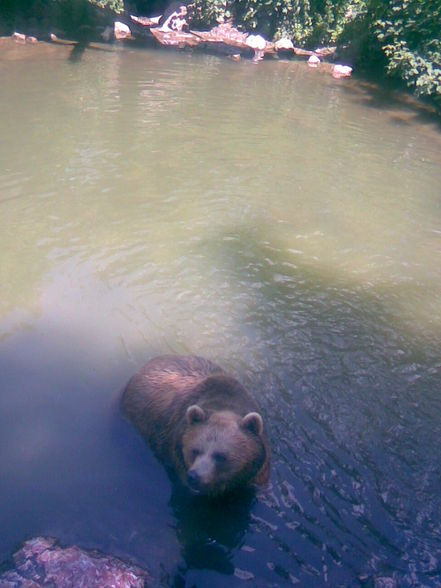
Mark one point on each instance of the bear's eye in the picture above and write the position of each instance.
(195, 453)
(219, 458)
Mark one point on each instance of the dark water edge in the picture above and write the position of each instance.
(77, 18)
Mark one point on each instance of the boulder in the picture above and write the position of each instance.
(341, 71)
(18, 37)
(313, 61)
(41, 562)
(284, 45)
(121, 31)
(257, 43)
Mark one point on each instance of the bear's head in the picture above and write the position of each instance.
(222, 450)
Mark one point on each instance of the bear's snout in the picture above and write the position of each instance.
(194, 480)
(200, 475)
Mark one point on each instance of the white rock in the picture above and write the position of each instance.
(256, 42)
(284, 44)
(341, 71)
(121, 30)
(19, 38)
(313, 61)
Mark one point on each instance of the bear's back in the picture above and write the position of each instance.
(158, 389)
(178, 373)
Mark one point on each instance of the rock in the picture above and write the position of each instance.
(121, 31)
(175, 21)
(313, 61)
(341, 71)
(41, 562)
(257, 43)
(31, 40)
(53, 37)
(19, 37)
(284, 45)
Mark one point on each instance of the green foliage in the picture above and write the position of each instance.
(304, 21)
(115, 5)
(212, 12)
(409, 32)
(39, 16)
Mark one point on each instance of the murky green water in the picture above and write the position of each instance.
(286, 225)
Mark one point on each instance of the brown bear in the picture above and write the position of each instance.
(201, 423)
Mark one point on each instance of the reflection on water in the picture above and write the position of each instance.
(268, 218)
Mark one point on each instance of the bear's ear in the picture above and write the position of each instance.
(253, 422)
(195, 414)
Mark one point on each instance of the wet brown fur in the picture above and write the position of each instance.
(156, 400)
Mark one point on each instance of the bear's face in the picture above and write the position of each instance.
(221, 450)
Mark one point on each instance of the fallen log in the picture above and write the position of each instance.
(223, 39)
(145, 21)
(303, 52)
(175, 38)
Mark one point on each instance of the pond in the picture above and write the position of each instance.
(282, 223)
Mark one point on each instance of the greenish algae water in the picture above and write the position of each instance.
(282, 223)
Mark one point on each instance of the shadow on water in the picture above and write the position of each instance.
(85, 43)
(75, 470)
(209, 531)
(77, 50)
(403, 108)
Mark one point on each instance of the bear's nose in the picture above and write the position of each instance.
(194, 480)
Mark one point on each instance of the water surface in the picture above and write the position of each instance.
(282, 223)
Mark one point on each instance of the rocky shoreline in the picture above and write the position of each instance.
(174, 32)
(43, 562)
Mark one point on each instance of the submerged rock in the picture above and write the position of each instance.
(313, 61)
(341, 71)
(41, 562)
